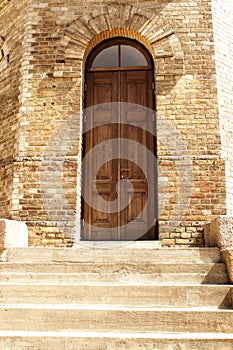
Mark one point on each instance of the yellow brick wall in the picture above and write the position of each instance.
(223, 29)
(57, 39)
(13, 19)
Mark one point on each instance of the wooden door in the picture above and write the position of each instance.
(105, 121)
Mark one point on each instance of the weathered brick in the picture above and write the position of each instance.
(44, 47)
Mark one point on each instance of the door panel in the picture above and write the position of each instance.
(137, 89)
(125, 86)
(102, 127)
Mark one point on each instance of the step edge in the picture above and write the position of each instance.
(107, 307)
(140, 284)
(116, 335)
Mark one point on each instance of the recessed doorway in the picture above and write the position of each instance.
(119, 104)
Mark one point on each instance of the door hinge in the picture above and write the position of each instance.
(85, 87)
(153, 86)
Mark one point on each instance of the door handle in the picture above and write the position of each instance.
(122, 172)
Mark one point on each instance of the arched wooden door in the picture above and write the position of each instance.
(119, 70)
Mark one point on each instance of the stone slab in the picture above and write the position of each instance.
(219, 233)
(126, 254)
(99, 318)
(227, 256)
(13, 234)
(205, 273)
(114, 341)
(138, 295)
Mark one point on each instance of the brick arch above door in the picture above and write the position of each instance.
(152, 30)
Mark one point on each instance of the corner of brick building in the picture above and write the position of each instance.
(42, 86)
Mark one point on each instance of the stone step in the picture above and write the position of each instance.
(114, 341)
(99, 318)
(134, 253)
(205, 273)
(136, 296)
(118, 294)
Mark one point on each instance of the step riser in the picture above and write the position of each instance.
(13, 343)
(120, 255)
(150, 296)
(161, 273)
(169, 278)
(156, 321)
(113, 268)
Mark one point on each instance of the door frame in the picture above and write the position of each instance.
(90, 58)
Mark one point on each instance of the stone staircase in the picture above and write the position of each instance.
(139, 296)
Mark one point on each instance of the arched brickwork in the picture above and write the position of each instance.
(4, 3)
(154, 32)
(4, 54)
